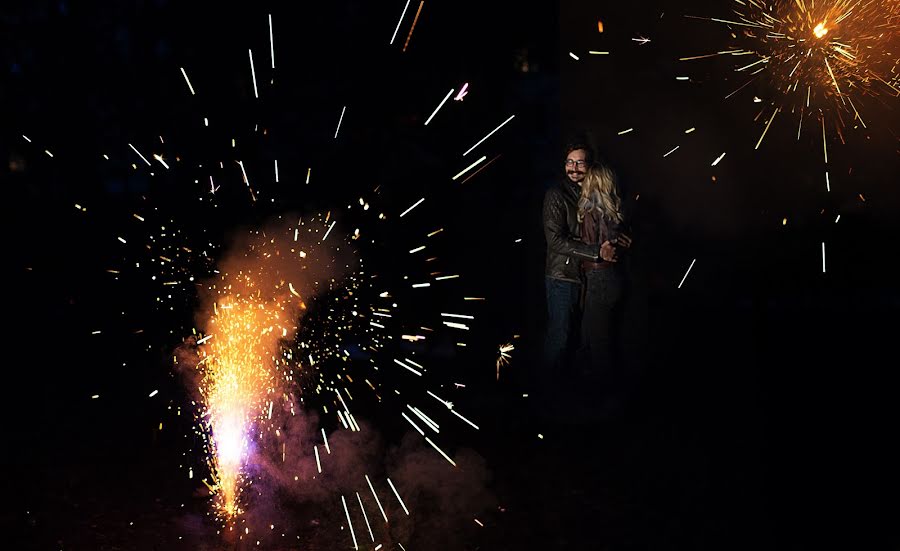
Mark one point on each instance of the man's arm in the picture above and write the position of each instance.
(556, 230)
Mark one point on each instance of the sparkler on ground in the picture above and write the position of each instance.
(244, 364)
(238, 379)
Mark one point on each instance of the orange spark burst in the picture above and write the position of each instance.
(823, 59)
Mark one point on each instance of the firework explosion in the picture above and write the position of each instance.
(244, 362)
(819, 59)
(251, 365)
(245, 359)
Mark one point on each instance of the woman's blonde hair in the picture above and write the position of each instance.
(598, 191)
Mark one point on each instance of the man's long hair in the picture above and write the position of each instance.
(598, 191)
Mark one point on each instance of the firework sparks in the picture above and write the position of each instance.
(816, 57)
(447, 457)
(349, 522)
(271, 42)
(436, 109)
(186, 79)
(413, 27)
(244, 364)
(411, 422)
(391, 484)
(491, 133)
(470, 167)
(253, 74)
(378, 501)
(236, 378)
(462, 92)
(686, 273)
(504, 356)
(139, 154)
(341, 119)
(365, 517)
(484, 166)
(416, 204)
(400, 21)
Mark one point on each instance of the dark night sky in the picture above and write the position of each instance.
(760, 356)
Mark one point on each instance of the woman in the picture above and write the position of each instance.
(602, 224)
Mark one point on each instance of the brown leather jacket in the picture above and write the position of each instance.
(565, 249)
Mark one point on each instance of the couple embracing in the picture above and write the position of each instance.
(586, 239)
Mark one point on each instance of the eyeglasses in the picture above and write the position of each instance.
(579, 163)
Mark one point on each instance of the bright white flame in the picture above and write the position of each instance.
(820, 30)
(230, 441)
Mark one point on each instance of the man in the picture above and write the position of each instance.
(565, 251)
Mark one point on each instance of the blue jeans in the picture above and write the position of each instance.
(562, 318)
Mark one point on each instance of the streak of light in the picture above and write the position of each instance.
(416, 204)
(511, 117)
(454, 412)
(470, 167)
(411, 422)
(365, 517)
(447, 457)
(391, 484)
(461, 316)
(399, 21)
(766, 129)
(253, 74)
(271, 42)
(401, 364)
(329, 230)
(338, 129)
(686, 273)
(139, 153)
(378, 501)
(413, 27)
(436, 109)
(187, 80)
(352, 533)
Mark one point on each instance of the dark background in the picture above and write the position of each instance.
(764, 407)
